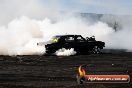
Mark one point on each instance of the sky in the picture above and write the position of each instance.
(121, 7)
(40, 9)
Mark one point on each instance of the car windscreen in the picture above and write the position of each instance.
(55, 39)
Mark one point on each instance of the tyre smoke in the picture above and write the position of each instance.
(65, 52)
(37, 21)
(21, 35)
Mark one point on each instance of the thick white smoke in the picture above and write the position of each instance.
(65, 52)
(23, 23)
(21, 35)
(120, 40)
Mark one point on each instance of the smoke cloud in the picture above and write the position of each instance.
(36, 9)
(17, 36)
(32, 22)
(65, 52)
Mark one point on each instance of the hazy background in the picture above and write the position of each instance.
(23, 23)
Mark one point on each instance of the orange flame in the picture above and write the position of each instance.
(81, 71)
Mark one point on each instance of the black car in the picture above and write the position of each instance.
(77, 42)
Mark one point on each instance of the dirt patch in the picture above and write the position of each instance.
(60, 72)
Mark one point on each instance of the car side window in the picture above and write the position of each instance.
(69, 39)
(80, 39)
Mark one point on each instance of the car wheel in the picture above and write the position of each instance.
(96, 50)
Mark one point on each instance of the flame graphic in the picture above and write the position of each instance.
(81, 71)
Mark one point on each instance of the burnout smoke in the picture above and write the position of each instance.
(65, 52)
(21, 35)
(38, 20)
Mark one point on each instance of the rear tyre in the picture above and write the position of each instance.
(96, 50)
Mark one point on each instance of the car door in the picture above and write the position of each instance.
(69, 42)
(81, 44)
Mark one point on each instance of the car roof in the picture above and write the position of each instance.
(66, 35)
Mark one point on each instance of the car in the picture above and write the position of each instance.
(77, 42)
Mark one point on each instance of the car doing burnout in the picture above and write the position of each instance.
(77, 42)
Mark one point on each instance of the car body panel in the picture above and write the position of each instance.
(77, 42)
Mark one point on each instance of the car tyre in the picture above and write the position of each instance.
(96, 50)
